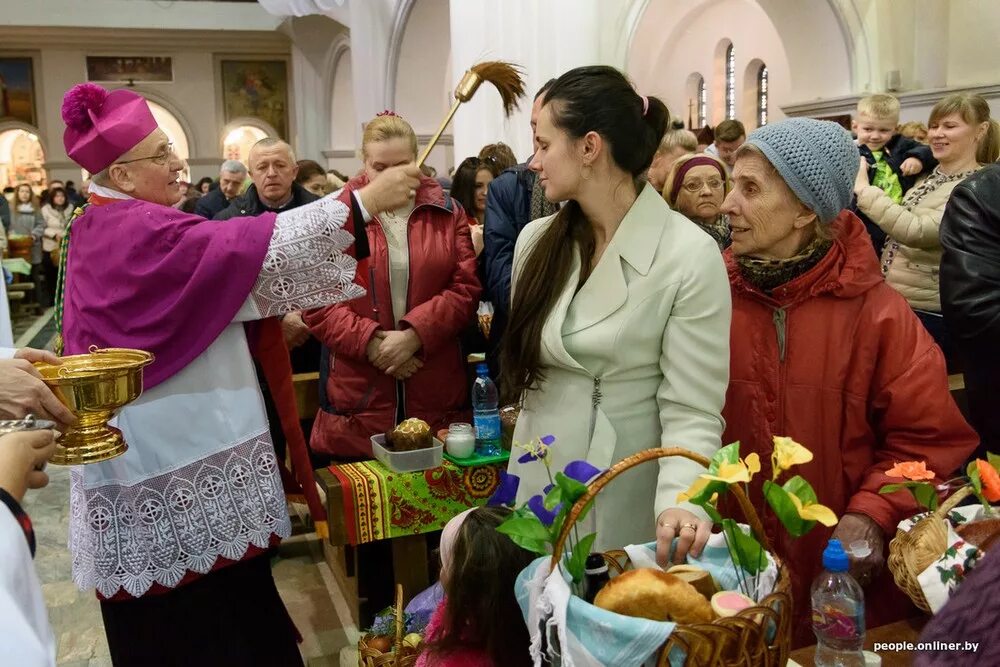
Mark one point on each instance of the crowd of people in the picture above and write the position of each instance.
(649, 288)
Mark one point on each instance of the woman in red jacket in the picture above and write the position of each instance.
(825, 352)
(394, 353)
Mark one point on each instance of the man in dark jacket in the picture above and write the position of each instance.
(513, 200)
(272, 169)
(231, 177)
(970, 295)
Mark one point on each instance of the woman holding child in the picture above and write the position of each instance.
(962, 137)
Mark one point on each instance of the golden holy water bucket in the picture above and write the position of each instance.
(94, 387)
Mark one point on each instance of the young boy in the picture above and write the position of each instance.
(894, 161)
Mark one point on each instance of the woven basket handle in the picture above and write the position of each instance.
(642, 457)
(400, 624)
(942, 511)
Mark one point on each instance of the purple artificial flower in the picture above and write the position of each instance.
(540, 452)
(506, 491)
(581, 471)
(537, 505)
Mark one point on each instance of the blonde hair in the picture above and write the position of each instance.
(678, 139)
(912, 128)
(879, 107)
(974, 110)
(385, 127)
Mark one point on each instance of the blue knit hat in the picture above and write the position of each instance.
(817, 158)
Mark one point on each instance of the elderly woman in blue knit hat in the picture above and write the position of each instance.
(825, 352)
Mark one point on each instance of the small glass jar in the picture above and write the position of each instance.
(461, 441)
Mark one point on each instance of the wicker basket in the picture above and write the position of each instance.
(911, 552)
(370, 657)
(737, 640)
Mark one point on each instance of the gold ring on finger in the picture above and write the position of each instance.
(692, 526)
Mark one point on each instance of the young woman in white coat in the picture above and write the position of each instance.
(618, 338)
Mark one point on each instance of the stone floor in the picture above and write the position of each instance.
(302, 576)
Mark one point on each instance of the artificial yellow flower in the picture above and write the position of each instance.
(814, 512)
(696, 487)
(787, 453)
(733, 473)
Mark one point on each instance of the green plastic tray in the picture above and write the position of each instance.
(477, 460)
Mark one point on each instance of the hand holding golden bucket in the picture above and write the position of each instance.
(94, 387)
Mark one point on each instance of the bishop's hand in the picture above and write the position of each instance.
(391, 189)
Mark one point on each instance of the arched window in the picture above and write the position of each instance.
(21, 159)
(762, 96)
(730, 82)
(702, 103)
(239, 141)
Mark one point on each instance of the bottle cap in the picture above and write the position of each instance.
(482, 369)
(860, 549)
(834, 557)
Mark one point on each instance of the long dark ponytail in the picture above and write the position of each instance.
(586, 99)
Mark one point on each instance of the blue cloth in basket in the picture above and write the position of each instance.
(586, 636)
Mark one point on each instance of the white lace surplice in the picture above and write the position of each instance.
(200, 479)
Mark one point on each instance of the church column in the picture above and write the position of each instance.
(545, 38)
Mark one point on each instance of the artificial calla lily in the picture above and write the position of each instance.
(734, 473)
(581, 471)
(506, 491)
(814, 511)
(787, 453)
(537, 506)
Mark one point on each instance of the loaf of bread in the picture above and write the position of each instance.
(982, 533)
(411, 434)
(701, 579)
(658, 596)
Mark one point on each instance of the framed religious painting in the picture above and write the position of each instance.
(256, 89)
(17, 90)
(130, 69)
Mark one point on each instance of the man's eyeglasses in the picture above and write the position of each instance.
(696, 186)
(160, 158)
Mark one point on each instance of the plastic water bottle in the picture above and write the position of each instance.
(838, 612)
(486, 413)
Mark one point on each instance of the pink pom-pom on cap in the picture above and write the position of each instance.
(79, 102)
(103, 125)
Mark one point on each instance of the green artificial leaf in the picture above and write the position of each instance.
(994, 460)
(746, 549)
(728, 454)
(572, 490)
(704, 497)
(528, 527)
(577, 562)
(712, 513)
(553, 497)
(778, 498)
(972, 470)
(799, 487)
(534, 546)
(922, 492)
(925, 495)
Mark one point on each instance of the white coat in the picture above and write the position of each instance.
(637, 358)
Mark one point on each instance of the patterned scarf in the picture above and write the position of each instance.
(540, 206)
(718, 229)
(769, 274)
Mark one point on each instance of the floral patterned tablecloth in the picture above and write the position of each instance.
(381, 504)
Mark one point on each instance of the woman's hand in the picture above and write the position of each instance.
(23, 393)
(397, 347)
(373, 345)
(408, 368)
(861, 180)
(854, 527)
(22, 460)
(477, 238)
(692, 533)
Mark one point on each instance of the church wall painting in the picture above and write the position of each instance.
(256, 89)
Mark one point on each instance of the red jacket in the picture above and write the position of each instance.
(859, 382)
(443, 297)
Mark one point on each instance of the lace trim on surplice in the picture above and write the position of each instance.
(155, 531)
(305, 266)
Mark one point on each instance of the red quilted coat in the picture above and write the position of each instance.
(836, 360)
(357, 400)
